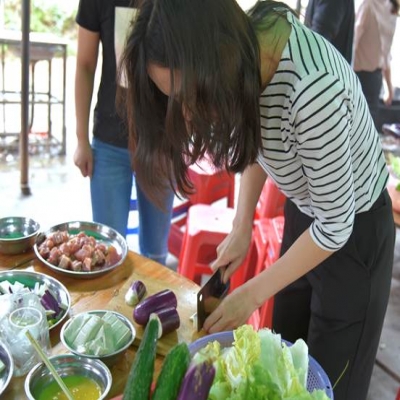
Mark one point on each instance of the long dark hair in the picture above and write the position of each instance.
(214, 46)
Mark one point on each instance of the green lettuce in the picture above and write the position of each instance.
(259, 366)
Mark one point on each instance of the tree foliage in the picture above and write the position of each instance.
(49, 16)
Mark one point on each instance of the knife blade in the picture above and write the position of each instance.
(210, 296)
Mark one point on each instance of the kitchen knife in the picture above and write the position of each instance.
(210, 296)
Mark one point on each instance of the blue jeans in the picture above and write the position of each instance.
(110, 189)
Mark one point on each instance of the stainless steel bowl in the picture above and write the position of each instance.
(5, 375)
(17, 234)
(68, 365)
(30, 278)
(100, 232)
(108, 359)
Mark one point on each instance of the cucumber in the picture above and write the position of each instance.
(141, 374)
(173, 370)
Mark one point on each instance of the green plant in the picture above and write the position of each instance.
(46, 16)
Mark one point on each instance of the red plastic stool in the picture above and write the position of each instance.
(267, 238)
(206, 227)
(271, 201)
(275, 243)
(210, 185)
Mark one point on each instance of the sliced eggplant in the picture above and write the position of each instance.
(135, 293)
(169, 320)
(164, 299)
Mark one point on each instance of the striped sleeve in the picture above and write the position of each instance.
(322, 117)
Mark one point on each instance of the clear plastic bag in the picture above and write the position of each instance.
(19, 313)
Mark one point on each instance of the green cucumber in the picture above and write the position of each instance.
(173, 370)
(141, 374)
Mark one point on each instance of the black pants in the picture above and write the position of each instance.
(371, 83)
(338, 308)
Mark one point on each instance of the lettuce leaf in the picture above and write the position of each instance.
(259, 366)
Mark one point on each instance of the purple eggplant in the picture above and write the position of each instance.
(197, 382)
(135, 293)
(164, 299)
(169, 320)
(49, 302)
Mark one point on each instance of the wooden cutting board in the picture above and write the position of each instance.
(157, 279)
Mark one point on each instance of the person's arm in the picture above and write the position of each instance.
(387, 77)
(86, 63)
(303, 256)
(233, 249)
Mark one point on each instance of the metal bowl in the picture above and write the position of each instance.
(68, 365)
(6, 375)
(108, 359)
(316, 377)
(30, 278)
(102, 234)
(17, 234)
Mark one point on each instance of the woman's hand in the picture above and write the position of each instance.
(83, 159)
(233, 311)
(233, 250)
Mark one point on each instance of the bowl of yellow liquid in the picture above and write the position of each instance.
(87, 379)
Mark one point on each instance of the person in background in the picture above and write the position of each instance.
(334, 20)
(374, 31)
(106, 160)
(263, 95)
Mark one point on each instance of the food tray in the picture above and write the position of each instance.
(102, 234)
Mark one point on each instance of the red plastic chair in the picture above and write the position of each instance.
(211, 185)
(206, 227)
(267, 239)
(271, 201)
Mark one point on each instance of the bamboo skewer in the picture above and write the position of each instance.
(50, 366)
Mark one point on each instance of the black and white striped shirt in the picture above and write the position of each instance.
(319, 143)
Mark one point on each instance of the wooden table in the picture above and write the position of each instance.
(104, 292)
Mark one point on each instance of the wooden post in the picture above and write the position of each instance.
(24, 139)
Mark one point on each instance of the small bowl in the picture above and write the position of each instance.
(17, 234)
(7, 373)
(68, 365)
(108, 359)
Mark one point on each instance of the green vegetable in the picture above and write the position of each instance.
(94, 335)
(142, 370)
(173, 370)
(259, 366)
(395, 164)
